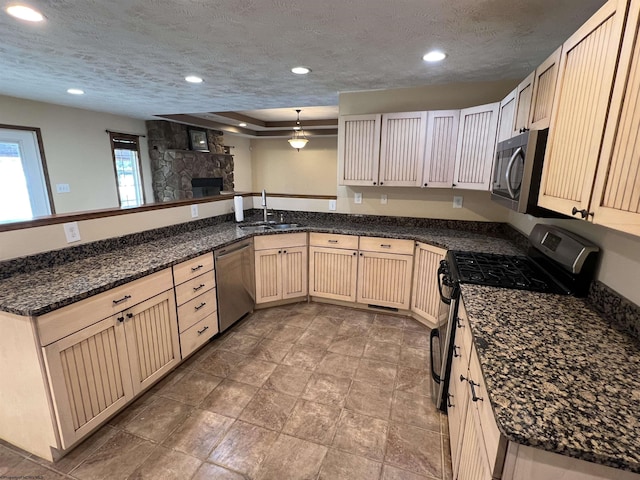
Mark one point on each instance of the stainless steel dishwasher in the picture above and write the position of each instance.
(235, 282)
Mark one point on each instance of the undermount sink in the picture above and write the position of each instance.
(261, 226)
(283, 226)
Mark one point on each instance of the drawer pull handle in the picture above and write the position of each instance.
(449, 397)
(463, 378)
(200, 332)
(195, 269)
(200, 306)
(455, 351)
(385, 245)
(474, 397)
(195, 289)
(460, 324)
(123, 299)
(333, 241)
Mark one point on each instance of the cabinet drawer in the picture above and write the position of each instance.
(463, 330)
(265, 242)
(386, 245)
(194, 287)
(65, 321)
(198, 334)
(196, 309)
(192, 268)
(333, 240)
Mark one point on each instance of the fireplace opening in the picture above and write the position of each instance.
(206, 187)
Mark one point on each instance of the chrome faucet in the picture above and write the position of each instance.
(265, 214)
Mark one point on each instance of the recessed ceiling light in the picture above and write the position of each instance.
(25, 13)
(75, 91)
(242, 124)
(300, 70)
(193, 79)
(434, 56)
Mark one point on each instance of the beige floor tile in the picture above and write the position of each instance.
(311, 309)
(327, 389)
(137, 407)
(270, 351)
(192, 388)
(285, 333)
(304, 356)
(252, 372)
(325, 325)
(255, 326)
(293, 459)
(220, 363)
(241, 343)
(335, 311)
(8, 460)
(416, 339)
(158, 420)
(414, 449)
(209, 471)
(338, 365)
(116, 459)
(414, 358)
(352, 346)
(357, 317)
(413, 380)
(268, 409)
(361, 435)
(383, 351)
(316, 339)
(167, 465)
(289, 380)
(244, 448)
(199, 433)
(348, 330)
(313, 422)
(298, 319)
(386, 334)
(412, 324)
(393, 473)
(376, 372)
(415, 410)
(394, 321)
(369, 399)
(27, 469)
(339, 465)
(229, 398)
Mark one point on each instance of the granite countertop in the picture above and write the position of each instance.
(46, 289)
(559, 377)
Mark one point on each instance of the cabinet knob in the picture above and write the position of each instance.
(583, 213)
(374, 183)
(381, 183)
(453, 185)
(426, 184)
(279, 251)
(354, 253)
(284, 251)
(121, 319)
(362, 254)
(129, 315)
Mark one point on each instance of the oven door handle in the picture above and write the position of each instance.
(434, 334)
(441, 272)
(507, 173)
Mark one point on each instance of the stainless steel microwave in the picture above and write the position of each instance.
(517, 171)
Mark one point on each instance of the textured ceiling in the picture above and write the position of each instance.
(130, 56)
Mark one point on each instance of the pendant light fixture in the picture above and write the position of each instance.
(298, 140)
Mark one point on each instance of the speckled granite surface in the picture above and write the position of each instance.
(559, 377)
(46, 287)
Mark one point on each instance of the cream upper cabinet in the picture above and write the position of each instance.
(585, 81)
(402, 149)
(544, 87)
(440, 151)
(476, 147)
(616, 197)
(425, 298)
(524, 95)
(359, 149)
(506, 120)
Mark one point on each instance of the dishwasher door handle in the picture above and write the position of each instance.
(225, 253)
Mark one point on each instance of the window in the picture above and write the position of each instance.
(126, 160)
(24, 190)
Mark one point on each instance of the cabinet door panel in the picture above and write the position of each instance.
(544, 87)
(440, 152)
(384, 279)
(507, 112)
(473, 463)
(359, 149)
(425, 298)
(402, 149)
(268, 275)
(294, 272)
(152, 339)
(586, 72)
(333, 273)
(524, 95)
(89, 377)
(476, 147)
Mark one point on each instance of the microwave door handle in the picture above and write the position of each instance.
(507, 173)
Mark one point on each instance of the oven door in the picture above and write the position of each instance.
(441, 340)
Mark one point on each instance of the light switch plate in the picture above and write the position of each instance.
(333, 205)
(194, 211)
(457, 202)
(63, 188)
(72, 232)
(383, 199)
(357, 197)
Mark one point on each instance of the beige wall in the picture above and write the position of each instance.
(620, 259)
(77, 150)
(241, 161)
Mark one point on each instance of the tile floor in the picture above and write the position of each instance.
(305, 391)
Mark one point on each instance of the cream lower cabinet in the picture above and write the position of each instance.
(425, 298)
(384, 272)
(281, 267)
(333, 266)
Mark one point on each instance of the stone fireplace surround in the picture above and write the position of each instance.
(173, 165)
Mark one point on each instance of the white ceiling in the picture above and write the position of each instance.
(130, 56)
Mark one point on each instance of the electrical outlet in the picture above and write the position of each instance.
(357, 197)
(457, 202)
(72, 232)
(383, 199)
(62, 188)
(194, 211)
(333, 205)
